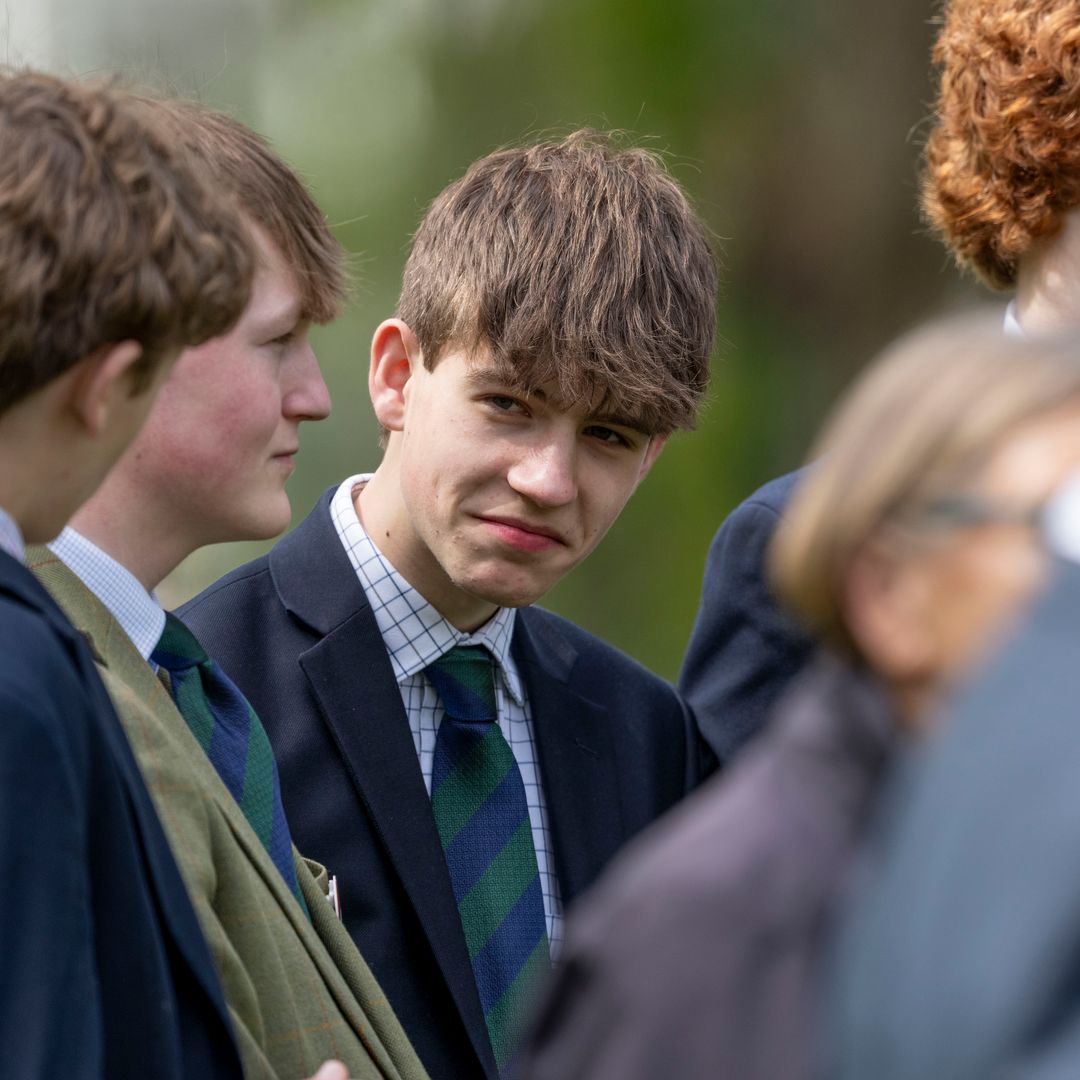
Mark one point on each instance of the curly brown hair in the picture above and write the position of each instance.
(1003, 157)
(578, 262)
(106, 235)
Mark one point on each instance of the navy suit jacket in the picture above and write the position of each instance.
(962, 955)
(103, 969)
(744, 650)
(616, 748)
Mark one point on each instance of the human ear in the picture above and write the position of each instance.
(103, 381)
(652, 452)
(394, 354)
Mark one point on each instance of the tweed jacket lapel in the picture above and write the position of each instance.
(167, 750)
(147, 708)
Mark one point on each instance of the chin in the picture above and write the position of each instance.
(501, 594)
(262, 526)
(272, 529)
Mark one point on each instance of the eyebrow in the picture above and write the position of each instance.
(480, 376)
(634, 424)
(276, 320)
(483, 376)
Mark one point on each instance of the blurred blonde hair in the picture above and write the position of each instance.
(913, 430)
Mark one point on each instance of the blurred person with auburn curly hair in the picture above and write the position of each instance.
(1001, 187)
(1002, 179)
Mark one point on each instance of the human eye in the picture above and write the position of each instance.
(609, 436)
(504, 403)
(282, 340)
(284, 334)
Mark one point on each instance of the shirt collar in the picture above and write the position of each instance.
(137, 611)
(11, 539)
(1013, 329)
(415, 634)
(1061, 519)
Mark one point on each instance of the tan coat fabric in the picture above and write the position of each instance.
(299, 992)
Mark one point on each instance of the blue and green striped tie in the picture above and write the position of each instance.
(478, 798)
(233, 737)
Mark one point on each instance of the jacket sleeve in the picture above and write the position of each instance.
(744, 650)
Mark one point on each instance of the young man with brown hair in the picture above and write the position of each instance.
(211, 465)
(467, 763)
(113, 257)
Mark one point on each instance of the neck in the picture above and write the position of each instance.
(134, 530)
(17, 498)
(1048, 281)
(38, 486)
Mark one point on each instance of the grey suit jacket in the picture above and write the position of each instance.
(962, 958)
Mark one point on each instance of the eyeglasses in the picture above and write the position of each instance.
(962, 511)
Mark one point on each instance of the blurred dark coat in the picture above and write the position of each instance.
(699, 954)
(744, 650)
(962, 959)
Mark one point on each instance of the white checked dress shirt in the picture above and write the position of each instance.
(137, 611)
(416, 635)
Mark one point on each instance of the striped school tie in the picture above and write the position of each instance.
(233, 738)
(478, 798)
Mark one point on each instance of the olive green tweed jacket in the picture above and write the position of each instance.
(298, 991)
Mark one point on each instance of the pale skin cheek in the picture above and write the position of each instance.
(985, 589)
(598, 521)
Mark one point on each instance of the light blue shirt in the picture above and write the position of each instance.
(11, 539)
(137, 611)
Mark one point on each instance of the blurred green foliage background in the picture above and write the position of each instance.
(795, 126)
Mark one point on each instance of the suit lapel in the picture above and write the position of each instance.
(352, 678)
(152, 696)
(577, 750)
(149, 695)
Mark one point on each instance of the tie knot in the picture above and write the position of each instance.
(177, 649)
(464, 679)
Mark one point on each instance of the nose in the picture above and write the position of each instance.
(306, 396)
(546, 472)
